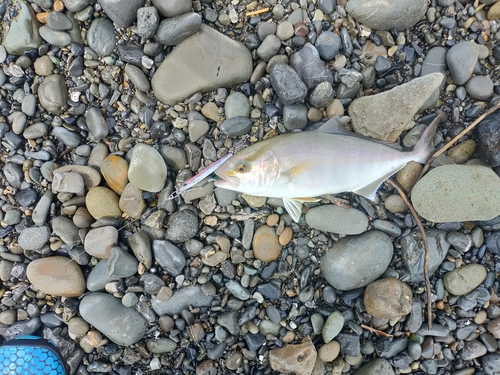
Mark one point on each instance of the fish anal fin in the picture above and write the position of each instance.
(370, 191)
(294, 208)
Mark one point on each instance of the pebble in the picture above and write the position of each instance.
(53, 94)
(461, 59)
(388, 299)
(488, 142)
(400, 14)
(101, 36)
(462, 280)
(96, 124)
(345, 270)
(295, 116)
(294, 358)
(236, 126)
(161, 345)
(237, 105)
(44, 66)
(182, 226)
(121, 264)
(173, 8)
(235, 65)
(114, 169)
(336, 219)
(122, 325)
(265, 244)
(371, 114)
(34, 238)
(102, 202)
(172, 31)
(441, 195)
(147, 170)
(479, 87)
(147, 21)
(328, 45)
(68, 232)
(378, 366)
(22, 24)
(131, 202)
(322, 95)
(434, 62)
(54, 37)
(269, 47)
(100, 241)
(472, 349)
(308, 65)
(181, 299)
(287, 83)
(122, 12)
(67, 137)
(332, 327)
(56, 276)
(169, 257)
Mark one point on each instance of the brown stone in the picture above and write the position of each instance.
(102, 202)
(494, 327)
(265, 244)
(285, 236)
(388, 298)
(115, 171)
(298, 359)
(409, 175)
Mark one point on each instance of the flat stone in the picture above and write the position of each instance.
(309, 66)
(172, 31)
(288, 84)
(388, 299)
(169, 257)
(379, 366)
(91, 178)
(68, 232)
(265, 244)
(101, 36)
(336, 219)
(173, 8)
(452, 193)
(56, 276)
(96, 123)
(386, 14)
(332, 327)
(102, 203)
(147, 170)
(463, 280)
(122, 12)
(217, 61)
(182, 226)
(354, 262)
(34, 238)
(122, 325)
(375, 116)
(181, 299)
(131, 201)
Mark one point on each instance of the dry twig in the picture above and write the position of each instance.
(255, 12)
(396, 186)
(376, 331)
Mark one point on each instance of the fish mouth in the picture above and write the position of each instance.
(225, 181)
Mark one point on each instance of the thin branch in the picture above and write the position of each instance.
(256, 12)
(426, 248)
(376, 331)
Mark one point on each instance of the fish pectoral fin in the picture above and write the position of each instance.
(294, 172)
(370, 191)
(294, 208)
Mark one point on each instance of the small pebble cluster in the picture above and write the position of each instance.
(108, 106)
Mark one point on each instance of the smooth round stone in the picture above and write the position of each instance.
(82, 218)
(452, 193)
(236, 126)
(53, 94)
(311, 70)
(269, 47)
(141, 247)
(173, 8)
(114, 169)
(265, 244)
(8, 317)
(54, 37)
(42, 209)
(479, 87)
(461, 59)
(494, 327)
(56, 276)
(100, 241)
(147, 170)
(197, 129)
(122, 12)
(284, 31)
(287, 83)
(182, 226)
(394, 203)
(12, 217)
(14, 174)
(161, 345)
(130, 300)
(488, 139)
(385, 15)
(66, 136)
(122, 325)
(44, 66)
(335, 219)
(34, 238)
(91, 177)
(131, 201)
(388, 299)
(295, 116)
(169, 257)
(354, 262)
(234, 361)
(101, 36)
(328, 45)
(472, 349)
(172, 31)
(68, 182)
(379, 366)
(23, 32)
(29, 105)
(121, 264)
(191, 295)
(102, 203)
(137, 77)
(329, 351)
(407, 176)
(96, 124)
(237, 105)
(76, 5)
(332, 327)
(463, 280)
(58, 21)
(68, 232)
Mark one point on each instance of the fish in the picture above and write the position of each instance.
(299, 167)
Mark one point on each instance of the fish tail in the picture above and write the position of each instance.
(425, 147)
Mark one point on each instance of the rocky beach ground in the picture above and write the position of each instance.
(108, 106)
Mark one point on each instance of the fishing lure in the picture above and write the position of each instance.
(188, 184)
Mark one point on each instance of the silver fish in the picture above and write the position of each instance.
(299, 166)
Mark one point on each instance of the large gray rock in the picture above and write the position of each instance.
(22, 34)
(101, 36)
(204, 61)
(458, 193)
(376, 116)
(122, 325)
(53, 93)
(183, 298)
(172, 8)
(172, 31)
(378, 366)
(122, 12)
(386, 14)
(354, 262)
(335, 219)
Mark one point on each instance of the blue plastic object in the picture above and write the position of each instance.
(27, 355)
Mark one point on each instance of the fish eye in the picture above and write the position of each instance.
(242, 167)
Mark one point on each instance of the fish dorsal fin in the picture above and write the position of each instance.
(294, 208)
(370, 191)
(336, 126)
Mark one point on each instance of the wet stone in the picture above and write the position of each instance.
(236, 126)
(336, 219)
(265, 244)
(488, 140)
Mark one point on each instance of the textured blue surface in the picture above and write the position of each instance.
(25, 360)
